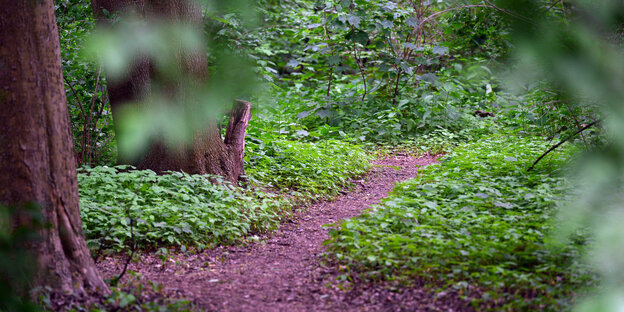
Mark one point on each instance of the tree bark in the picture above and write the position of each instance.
(136, 85)
(209, 153)
(36, 145)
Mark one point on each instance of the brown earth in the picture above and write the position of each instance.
(285, 270)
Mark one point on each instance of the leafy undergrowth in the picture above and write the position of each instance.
(477, 222)
(134, 295)
(120, 205)
(172, 209)
(308, 170)
(439, 140)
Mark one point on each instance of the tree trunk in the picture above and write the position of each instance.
(136, 85)
(209, 154)
(36, 145)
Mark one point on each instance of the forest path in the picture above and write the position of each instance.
(284, 271)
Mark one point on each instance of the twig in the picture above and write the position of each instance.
(550, 138)
(396, 87)
(513, 14)
(83, 138)
(360, 66)
(331, 76)
(550, 7)
(76, 96)
(98, 253)
(90, 124)
(562, 141)
(578, 123)
(110, 137)
(132, 249)
(488, 5)
(424, 21)
(331, 71)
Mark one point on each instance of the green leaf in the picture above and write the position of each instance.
(440, 50)
(334, 60)
(345, 4)
(354, 20)
(413, 22)
(386, 24)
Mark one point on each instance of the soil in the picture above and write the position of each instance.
(285, 270)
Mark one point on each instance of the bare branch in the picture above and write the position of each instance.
(561, 142)
(76, 96)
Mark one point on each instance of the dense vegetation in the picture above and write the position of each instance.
(335, 84)
(121, 206)
(478, 222)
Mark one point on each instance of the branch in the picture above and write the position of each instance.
(520, 17)
(98, 253)
(562, 141)
(92, 126)
(488, 5)
(77, 98)
(418, 29)
(358, 61)
(331, 71)
(424, 21)
(132, 249)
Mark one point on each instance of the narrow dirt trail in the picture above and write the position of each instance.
(283, 272)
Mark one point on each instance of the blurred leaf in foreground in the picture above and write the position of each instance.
(577, 46)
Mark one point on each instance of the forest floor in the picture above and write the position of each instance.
(285, 270)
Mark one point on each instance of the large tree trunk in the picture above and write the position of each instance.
(209, 153)
(36, 145)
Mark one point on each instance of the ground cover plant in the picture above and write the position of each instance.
(308, 169)
(122, 206)
(478, 222)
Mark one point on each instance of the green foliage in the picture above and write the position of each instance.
(175, 209)
(576, 46)
(448, 101)
(312, 170)
(408, 74)
(357, 70)
(178, 209)
(476, 222)
(478, 32)
(357, 67)
(542, 109)
(89, 111)
(441, 140)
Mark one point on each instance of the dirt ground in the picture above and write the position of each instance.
(285, 271)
